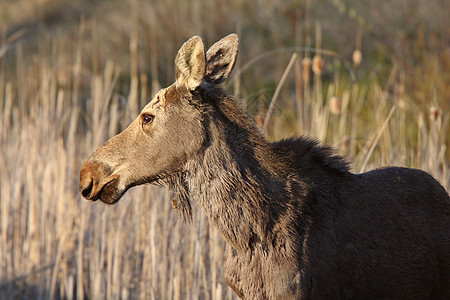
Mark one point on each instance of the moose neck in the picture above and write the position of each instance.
(235, 177)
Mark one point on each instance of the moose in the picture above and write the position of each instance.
(297, 222)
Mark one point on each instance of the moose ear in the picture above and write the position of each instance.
(190, 63)
(221, 58)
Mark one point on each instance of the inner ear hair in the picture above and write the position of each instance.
(190, 64)
(221, 58)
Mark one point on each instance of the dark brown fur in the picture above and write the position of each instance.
(298, 223)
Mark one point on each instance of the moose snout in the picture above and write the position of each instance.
(93, 177)
(86, 186)
(89, 181)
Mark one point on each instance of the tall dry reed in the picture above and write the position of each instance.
(58, 105)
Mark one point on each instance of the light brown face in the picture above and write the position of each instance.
(167, 133)
(155, 145)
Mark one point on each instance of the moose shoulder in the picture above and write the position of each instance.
(297, 222)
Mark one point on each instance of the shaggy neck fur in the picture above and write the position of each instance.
(240, 173)
(229, 180)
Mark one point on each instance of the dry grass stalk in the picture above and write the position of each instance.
(54, 246)
(278, 89)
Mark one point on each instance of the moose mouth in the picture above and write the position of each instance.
(109, 193)
(99, 182)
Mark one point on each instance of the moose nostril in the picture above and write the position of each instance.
(87, 190)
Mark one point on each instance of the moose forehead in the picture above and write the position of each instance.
(163, 97)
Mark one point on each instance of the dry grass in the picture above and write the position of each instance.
(71, 90)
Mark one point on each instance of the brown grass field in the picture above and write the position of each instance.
(370, 79)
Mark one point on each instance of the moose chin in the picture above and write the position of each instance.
(298, 224)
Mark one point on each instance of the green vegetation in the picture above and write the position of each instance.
(370, 78)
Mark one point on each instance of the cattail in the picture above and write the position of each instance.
(174, 203)
(306, 64)
(317, 64)
(402, 104)
(357, 57)
(434, 113)
(260, 119)
(62, 77)
(335, 105)
(346, 142)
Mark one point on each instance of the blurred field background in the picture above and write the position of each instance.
(368, 77)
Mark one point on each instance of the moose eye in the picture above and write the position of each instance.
(147, 119)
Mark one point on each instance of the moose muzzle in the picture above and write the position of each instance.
(97, 182)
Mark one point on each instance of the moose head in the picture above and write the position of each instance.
(167, 133)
